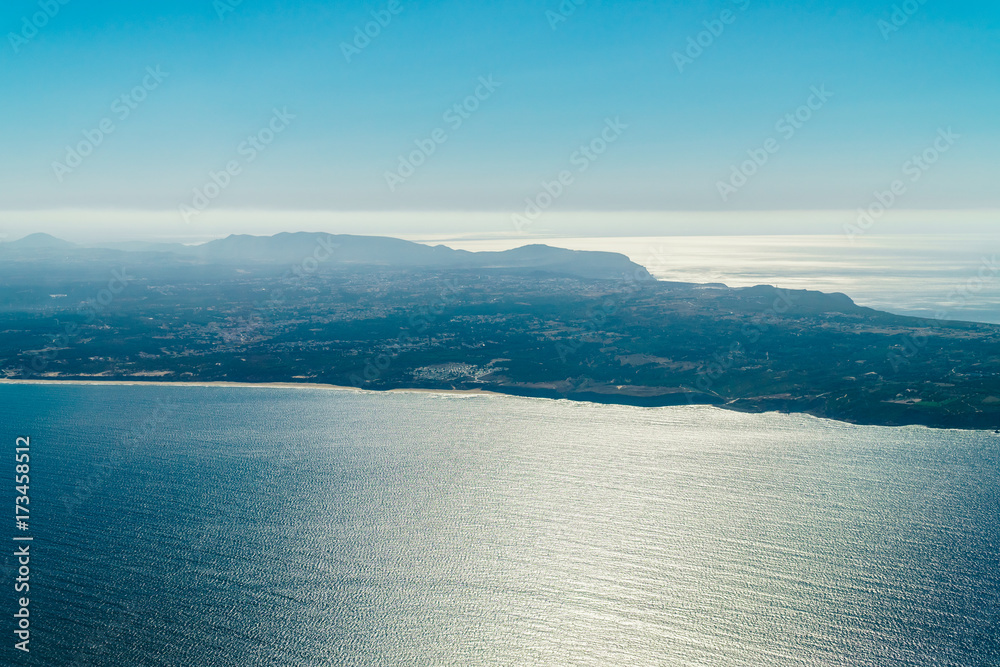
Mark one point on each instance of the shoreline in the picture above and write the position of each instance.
(471, 392)
(261, 385)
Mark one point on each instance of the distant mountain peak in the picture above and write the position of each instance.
(41, 240)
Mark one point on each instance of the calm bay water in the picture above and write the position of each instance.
(251, 526)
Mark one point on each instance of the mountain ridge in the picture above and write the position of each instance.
(343, 250)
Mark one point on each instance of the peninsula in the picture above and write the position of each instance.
(380, 313)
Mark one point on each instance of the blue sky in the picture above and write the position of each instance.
(561, 78)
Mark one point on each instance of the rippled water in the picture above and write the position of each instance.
(249, 526)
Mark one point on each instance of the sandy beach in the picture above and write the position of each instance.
(259, 385)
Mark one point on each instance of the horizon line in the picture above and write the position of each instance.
(89, 224)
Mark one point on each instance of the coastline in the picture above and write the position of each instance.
(494, 390)
(599, 399)
(260, 385)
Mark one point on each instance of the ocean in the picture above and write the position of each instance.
(195, 526)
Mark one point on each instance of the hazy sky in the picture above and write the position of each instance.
(669, 96)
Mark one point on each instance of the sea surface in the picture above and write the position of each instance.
(218, 526)
(940, 276)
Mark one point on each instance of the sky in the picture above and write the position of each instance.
(199, 117)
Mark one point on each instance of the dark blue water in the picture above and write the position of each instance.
(235, 526)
